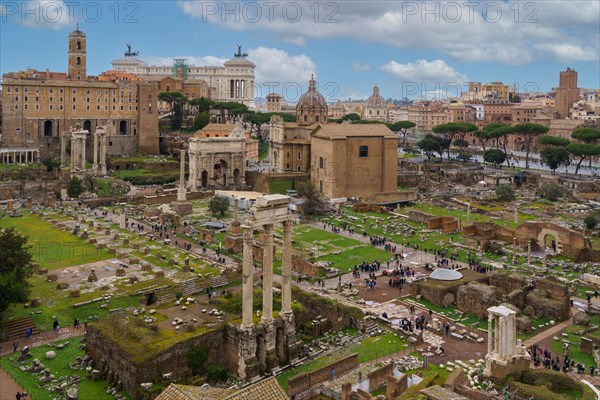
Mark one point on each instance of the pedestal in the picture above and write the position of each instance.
(247, 363)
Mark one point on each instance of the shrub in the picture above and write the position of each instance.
(217, 373)
(74, 188)
(196, 359)
(551, 191)
(179, 294)
(505, 193)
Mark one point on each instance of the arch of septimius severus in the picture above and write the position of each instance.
(272, 340)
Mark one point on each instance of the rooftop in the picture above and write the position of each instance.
(353, 130)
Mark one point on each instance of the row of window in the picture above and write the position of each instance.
(9, 89)
(60, 107)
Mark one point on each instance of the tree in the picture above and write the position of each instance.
(201, 120)
(15, 269)
(51, 164)
(353, 117)
(218, 206)
(176, 100)
(432, 144)
(463, 144)
(177, 117)
(74, 187)
(505, 192)
(554, 157)
(314, 203)
(529, 131)
(484, 136)
(551, 191)
(553, 141)
(494, 156)
(583, 151)
(586, 135)
(402, 127)
(499, 133)
(589, 221)
(449, 131)
(201, 104)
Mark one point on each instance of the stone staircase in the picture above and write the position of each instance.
(16, 328)
(165, 295)
(218, 281)
(370, 326)
(190, 287)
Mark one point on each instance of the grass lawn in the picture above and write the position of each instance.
(59, 367)
(51, 247)
(106, 187)
(367, 350)
(342, 252)
(281, 185)
(148, 176)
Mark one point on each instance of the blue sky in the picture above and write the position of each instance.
(406, 47)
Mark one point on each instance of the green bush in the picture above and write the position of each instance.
(551, 191)
(505, 193)
(74, 187)
(196, 359)
(216, 373)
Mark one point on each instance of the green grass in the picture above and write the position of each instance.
(144, 159)
(576, 354)
(369, 349)
(325, 244)
(59, 367)
(148, 176)
(52, 248)
(281, 185)
(107, 187)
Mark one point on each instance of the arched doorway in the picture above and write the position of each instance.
(48, 128)
(220, 173)
(204, 179)
(550, 242)
(236, 177)
(123, 127)
(87, 126)
(261, 353)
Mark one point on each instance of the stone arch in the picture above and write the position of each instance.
(48, 128)
(123, 127)
(220, 170)
(548, 234)
(87, 125)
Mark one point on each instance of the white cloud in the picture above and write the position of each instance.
(509, 32)
(425, 71)
(568, 52)
(210, 61)
(40, 14)
(277, 70)
(358, 66)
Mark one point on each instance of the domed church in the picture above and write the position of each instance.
(312, 106)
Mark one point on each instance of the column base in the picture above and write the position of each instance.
(247, 363)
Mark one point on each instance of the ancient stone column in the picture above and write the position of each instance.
(516, 215)
(181, 195)
(248, 279)
(268, 274)
(490, 333)
(122, 219)
(82, 154)
(63, 150)
(95, 165)
(235, 210)
(529, 252)
(73, 153)
(286, 268)
(103, 155)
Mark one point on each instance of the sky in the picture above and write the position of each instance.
(411, 49)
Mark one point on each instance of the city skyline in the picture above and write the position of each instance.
(401, 48)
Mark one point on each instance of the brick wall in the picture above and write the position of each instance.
(302, 382)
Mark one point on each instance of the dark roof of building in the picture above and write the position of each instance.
(266, 389)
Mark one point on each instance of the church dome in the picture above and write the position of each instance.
(375, 100)
(312, 98)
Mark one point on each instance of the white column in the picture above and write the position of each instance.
(83, 153)
(73, 153)
(181, 195)
(490, 333)
(247, 279)
(95, 138)
(286, 268)
(103, 155)
(268, 274)
(63, 149)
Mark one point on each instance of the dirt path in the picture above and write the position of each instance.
(8, 387)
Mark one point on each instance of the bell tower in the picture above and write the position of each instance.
(77, 55)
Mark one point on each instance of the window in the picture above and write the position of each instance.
(37, 107)
(26, 98)
(321, 186)
(73, 107)
(61, 90)
(37, 98)
(74, 91)
(16, 90)
(8, 89)
(87, 91)
(363, 151)
(16, 106)
(321, 163)
(26, 89)
(299, 155)
(50, 106)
